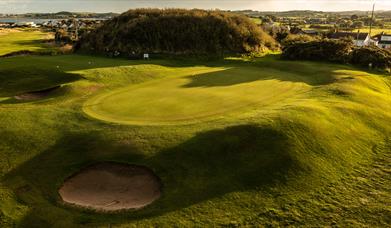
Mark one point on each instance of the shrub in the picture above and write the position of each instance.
(377, 57)
(177, 31)
(292, 38)
(319, 50)
(62, 36)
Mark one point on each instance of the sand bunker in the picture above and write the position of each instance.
(111, 186)
(35, 95)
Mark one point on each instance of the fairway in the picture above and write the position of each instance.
(23, 40)
(195, 93)
(229, 142)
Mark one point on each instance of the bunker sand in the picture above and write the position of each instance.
(35, 95)
(111, 187)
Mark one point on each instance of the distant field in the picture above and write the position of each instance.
(18, 40)
(256, 20)
(375, 31)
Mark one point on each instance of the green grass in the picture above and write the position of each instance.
(259, 142)
(375, 31)
(257, 21)
(205, 91)
(21, 40)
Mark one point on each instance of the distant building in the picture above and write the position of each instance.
(308, 32)
(359, 39)
(299, 31)
(384, 41)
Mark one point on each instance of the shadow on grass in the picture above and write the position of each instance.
(38, 96)
(209, 165)
(29, 42)
(268, 68)
(21, 74)
(25, 80)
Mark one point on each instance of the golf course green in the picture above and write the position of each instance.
(194, 93)
(234, 142)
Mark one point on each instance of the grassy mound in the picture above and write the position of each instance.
(195, 93)
(318, 158)
(176, 31)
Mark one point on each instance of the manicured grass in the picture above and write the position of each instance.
(194, 93)
(21, 40)
(235, 143)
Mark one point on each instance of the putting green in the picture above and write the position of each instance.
(195, 93)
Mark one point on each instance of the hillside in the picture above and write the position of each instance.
(234, 142)
(176, 31)
(14, 40)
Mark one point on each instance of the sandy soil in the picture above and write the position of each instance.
(111, 186)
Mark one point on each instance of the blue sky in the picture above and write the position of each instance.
(23, 6)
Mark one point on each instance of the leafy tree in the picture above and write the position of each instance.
(354, 17)
(358, 24)
(177, 31)
(291, 39)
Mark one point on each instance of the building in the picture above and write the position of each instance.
(359, 39)
(308, 32)
(384, 41)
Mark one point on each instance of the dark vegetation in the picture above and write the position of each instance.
(176, 31)
(338, 51)
(377, 57)
(321, 50)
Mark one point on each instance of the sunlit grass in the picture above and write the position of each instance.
(21, 40)
(255, 142)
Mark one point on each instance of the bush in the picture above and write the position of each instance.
(377, 57)
(319, 50)
(292, 38)
(177, 31)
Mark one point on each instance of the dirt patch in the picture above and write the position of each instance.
(35, 95)
(111, 186)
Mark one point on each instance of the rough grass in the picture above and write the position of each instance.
(319, 157)
(23, 40)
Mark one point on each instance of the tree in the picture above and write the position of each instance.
(354, 17)
(177, 31)
(358, 24)
(272, 18)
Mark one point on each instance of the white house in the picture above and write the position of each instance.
(359, 39)
(384, 41)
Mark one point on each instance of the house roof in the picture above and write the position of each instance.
(340, 35)
(384, 41)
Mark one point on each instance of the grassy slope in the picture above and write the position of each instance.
(320, 157)
(22, 40)
(205, 91)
